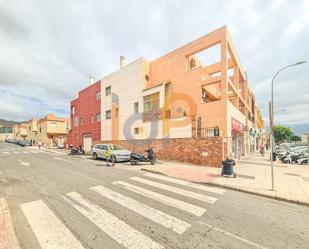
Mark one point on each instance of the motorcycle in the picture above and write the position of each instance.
(136, 158)
(76, 151)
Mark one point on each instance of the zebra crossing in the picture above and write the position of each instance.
(51, 232)
(18, 152)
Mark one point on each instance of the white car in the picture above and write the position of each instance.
(119, 153)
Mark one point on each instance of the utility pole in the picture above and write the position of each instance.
(271, 145)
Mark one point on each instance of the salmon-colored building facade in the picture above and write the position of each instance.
(187, 105)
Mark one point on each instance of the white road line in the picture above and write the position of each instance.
(23, 163)
(232, 235)
(5, 152)
(25, 152)
(184, 206)
(49, 230)
(180, 191)
(34, 152)
(111, 225)
(186, 183)
(16, 152)
(3, 181)
(62, 159)
(155, 215)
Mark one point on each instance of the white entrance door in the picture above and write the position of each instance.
(87, 142)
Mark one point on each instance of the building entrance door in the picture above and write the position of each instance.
(87, 142)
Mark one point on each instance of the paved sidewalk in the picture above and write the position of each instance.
(8, 238)
(254, 176)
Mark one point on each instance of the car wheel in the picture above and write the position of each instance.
(95, 156)
(114, 159)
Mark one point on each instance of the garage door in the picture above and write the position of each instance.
(87, 142)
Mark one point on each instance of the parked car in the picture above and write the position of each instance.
(8, 140)
(119, 153)
(24, 143)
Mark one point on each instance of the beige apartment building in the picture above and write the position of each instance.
(51, 131)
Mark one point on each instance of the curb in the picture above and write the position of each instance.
(7, 232)
(57, 152)
(278, 198)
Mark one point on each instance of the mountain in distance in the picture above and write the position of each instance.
(4, 122)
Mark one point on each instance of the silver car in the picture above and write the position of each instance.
(119, 153)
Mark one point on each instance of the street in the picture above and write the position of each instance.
(60, 201)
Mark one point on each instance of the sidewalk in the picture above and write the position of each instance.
(253, 176)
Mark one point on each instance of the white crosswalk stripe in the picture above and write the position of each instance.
(111, 225)
(185, 183)
(155, 215)
(180, 191)
(16, 152)
(6, 152)
(34, 152)
(25, 152)
(49, 230)
(184, 206)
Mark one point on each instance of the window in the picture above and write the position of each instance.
(108, 91)
(136, 131)
(76, 121)
(98, 95)
(136, 108)
(73, 110)
(53, 125)
(98, 117)
(40, 130)
(108, 114)
(151, 102)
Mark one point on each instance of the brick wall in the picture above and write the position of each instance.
(180, 149)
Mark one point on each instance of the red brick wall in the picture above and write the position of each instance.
(181, 149)
(86, 107)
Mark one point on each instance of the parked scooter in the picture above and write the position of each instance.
(76, 151)
(136, 158)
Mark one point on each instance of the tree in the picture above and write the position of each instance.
(282, 133)
(296, 138)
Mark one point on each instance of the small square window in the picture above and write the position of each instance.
(98, 117)
(136, 131)
(108, 91)
(136, 108)
(108, 114)
(98, 95)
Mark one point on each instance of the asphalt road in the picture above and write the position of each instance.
(60, 201)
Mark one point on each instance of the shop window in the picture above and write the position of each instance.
(108, 91)
(108, 114)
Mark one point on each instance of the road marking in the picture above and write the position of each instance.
(3, 181)
(155, 215)
(184, 206)
(183, 192)
(34, 152)
(62, 159)
(25, 152)
(186, 183)
(49, 230)
(111, 225)
(16, 152)
(5, 152)
(232, 235)
(23, 163)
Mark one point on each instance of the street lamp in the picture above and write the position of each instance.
(271, 114)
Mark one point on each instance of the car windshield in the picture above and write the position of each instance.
(117, 147)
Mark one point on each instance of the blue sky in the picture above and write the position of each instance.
(49, 48)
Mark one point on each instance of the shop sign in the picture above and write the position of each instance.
(237, 126)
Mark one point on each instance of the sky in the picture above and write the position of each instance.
(48, 49)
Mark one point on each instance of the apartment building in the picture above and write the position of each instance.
(85, 117)
(52, 131)
(20, 132)
(32, 131)
(192, 104)
(6, 133)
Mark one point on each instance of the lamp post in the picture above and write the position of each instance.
(272, 120)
